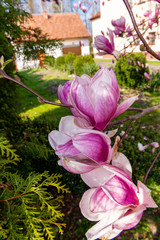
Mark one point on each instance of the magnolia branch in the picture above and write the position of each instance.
(148, 49)
(134, 117)
(40, 98)
(146, 175)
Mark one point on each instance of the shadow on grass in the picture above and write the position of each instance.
(46, 88)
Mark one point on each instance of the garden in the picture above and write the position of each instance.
(28, 134)
(75, 139)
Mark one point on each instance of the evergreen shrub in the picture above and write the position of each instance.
(90, 69)
(126, 73)
(79, 63)
(31, 206)
(60, 63)
(49, 60)
(69, 62)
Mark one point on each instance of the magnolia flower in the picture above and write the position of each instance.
(129, 31)
(119, 25)
(95, 99)
(113, 199)
(103, 45)
(147, 76)
(75, 5)
(84, 9)
(80, 149)
(147, 13)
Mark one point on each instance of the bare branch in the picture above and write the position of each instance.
(43, 100)
(146, 175)
(134, 117)
(148, 49)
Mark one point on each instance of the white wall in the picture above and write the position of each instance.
(21, 64)
(113, 10)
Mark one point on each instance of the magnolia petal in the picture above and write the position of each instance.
(97, 177)
(114, 82)
(93, 146)
(63, 92)
(112, 132)
(67, 150)
(76, 166)
(144, 196)
(104, 226)
(130, 219)
(122, 162)
(81, 101)
(68, 126)
(105, 96)
(121, 191)
(100, 202)
(85, 207)
(155, 144)
(101, 175)
(57, 138)
(124, 106)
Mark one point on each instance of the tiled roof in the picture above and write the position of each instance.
(97, 15)
(59, 25)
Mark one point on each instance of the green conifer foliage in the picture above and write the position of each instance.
(30, 208)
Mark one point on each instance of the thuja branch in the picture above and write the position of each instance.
(146, 175)
(148, 49)
(134, 117)
(42, 99)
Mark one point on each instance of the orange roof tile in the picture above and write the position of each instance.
(97, 15)
(58, 25)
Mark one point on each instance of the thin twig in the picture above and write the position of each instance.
(42, 99)
(134, 117)
(126, 132)
(146, 175)
(148, 49)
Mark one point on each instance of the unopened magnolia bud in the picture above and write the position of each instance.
(142, 48)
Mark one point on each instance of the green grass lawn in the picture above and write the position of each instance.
(45, 82)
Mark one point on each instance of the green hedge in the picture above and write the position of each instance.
(126, 70)
(79, 63)
(49, 60)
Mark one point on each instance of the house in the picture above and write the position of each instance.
(67, 27)
(112, 10)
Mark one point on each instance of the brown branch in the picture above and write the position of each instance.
(126, 132)
(6, 200)
(146, 175)
(134, 117)
(43, 100)
(148, 49)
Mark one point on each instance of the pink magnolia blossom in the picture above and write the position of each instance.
(75, 5)
(84, 9)
(103, 45)
(119, 25)
(147, 13)
(147, 76)
(80, 149)
(113, 199)
(95, 99)
(129, 31)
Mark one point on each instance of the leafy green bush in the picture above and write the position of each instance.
(69, 62)
(130, 70)
(90, 69)
(60, 63)
(79, 63)
(49, 60)
(154, 84)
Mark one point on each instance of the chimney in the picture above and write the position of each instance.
(45, 15)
